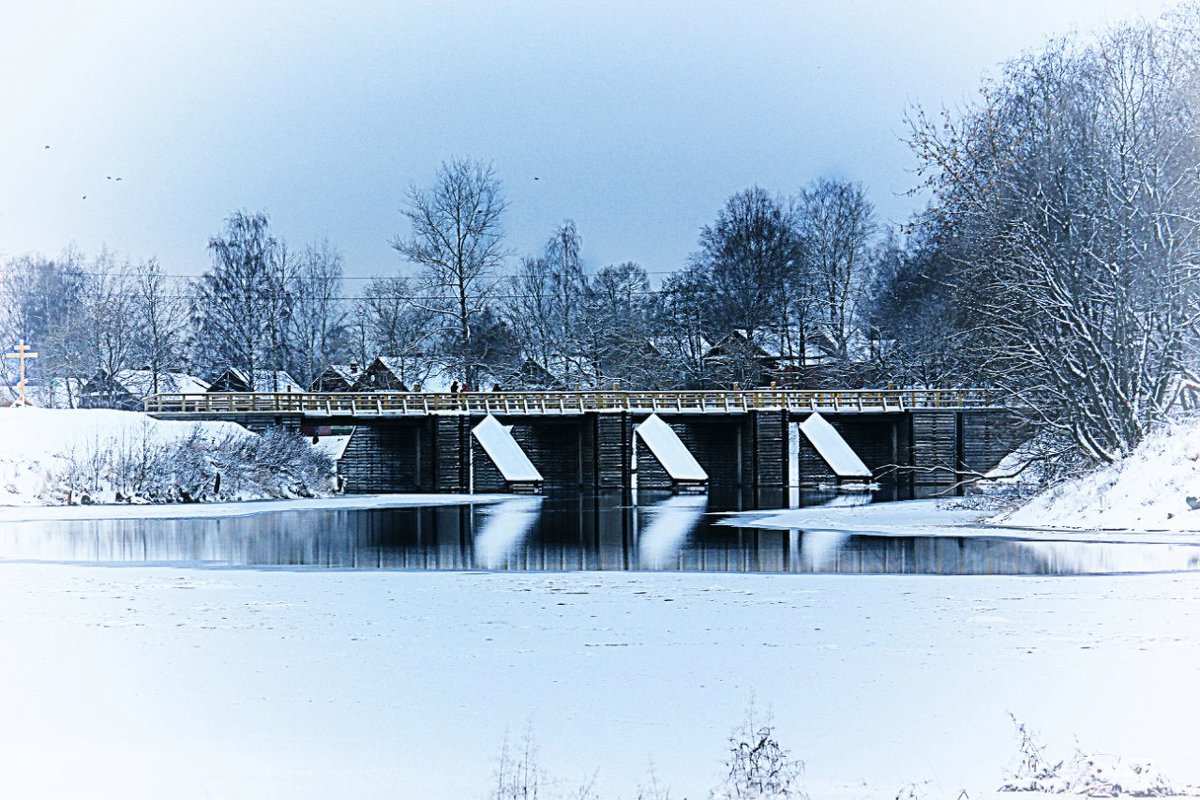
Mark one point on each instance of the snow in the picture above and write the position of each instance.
(830, 445)
(333, 446)
(35, 441)
(194, 683)
(498, 442)
(140, 382)
(37, 445)
(665, 445)
(1147, 491)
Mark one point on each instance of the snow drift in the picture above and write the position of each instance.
(67, 456)
(1154, 488)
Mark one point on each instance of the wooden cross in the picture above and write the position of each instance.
(21, 353)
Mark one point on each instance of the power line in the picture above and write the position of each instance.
(190, 276)
(422, 299)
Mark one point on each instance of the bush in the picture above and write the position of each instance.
(196, 468)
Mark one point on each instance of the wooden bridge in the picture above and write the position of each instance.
(379, 404)
(928, 440)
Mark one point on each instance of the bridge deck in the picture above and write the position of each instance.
(417, 404)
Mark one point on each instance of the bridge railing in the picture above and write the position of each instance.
(520, 403)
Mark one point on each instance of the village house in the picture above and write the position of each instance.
(337, 378)
(127, 388)
(235, 379)
(384, 374)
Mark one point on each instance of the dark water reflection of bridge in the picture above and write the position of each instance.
(564, 533)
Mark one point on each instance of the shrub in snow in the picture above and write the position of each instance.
(758, 766)
(234, 465)
(1087, 775)
(517, 775)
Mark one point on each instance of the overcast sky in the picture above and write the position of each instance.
(637, 119)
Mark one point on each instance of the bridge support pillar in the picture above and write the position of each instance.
(451, 451)
(612, 450)
(936, 453)
(764, 446)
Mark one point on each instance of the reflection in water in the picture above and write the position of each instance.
(669, 522)
(818, 549)
(575, 532)
(504, 528)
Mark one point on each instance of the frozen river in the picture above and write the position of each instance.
(568, 533)
(385, 653)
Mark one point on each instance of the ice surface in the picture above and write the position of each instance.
(153, 682)
(663, 442)
(830, 445)
(498, 442)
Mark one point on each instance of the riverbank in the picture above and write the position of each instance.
(1155, 488)
(195, 683)
(66, 457)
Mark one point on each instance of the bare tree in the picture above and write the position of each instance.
(616, 329)
(160, 318)
(283, 273)
(40, 301)
(1071, 191)
(530, 309)
(234, 313)
(682, 318)
(457, 240)
(397, 325)
(546, 305)
(107, 321)
(837, 222)
(749, 253)
(318, 330)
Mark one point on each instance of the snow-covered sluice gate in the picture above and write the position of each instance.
(496, 442)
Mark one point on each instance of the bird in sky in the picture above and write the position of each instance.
(85, 197)
(536, 178)
(47, 147)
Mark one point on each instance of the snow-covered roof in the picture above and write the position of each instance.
(347, 372)
(266, 380)
(332, 446)
(140, 382)
(414, 371)
(774, 345)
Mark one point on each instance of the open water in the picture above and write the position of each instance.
(563, 533)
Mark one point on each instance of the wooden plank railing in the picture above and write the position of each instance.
(366, 404)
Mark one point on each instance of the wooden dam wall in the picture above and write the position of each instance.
(928, 452)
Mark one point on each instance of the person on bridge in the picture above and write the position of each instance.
(454, 388)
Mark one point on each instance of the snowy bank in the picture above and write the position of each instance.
(195, 683)
(1147, 491)
(68, 456)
